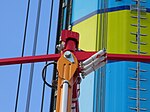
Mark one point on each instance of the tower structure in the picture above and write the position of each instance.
(119, 27)
(122, 27)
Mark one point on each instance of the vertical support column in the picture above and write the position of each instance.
(64, 96)
(66, 68)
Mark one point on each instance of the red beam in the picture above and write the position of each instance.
(41, 58)
(29, 59)
(128, 57)
(81, 56)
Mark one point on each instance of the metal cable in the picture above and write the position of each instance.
(22, 54)
(44, 75)
(33, 54)
(47, 51)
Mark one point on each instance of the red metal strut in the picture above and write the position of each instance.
(81, 56)
(70, 41)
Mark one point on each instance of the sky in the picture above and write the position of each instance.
(12, 23)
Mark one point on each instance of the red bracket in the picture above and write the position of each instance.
(71, 40)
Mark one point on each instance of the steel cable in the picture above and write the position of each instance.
(22, 54)
(44, 75)
(47, 51)
(59, 28)
(33, 54)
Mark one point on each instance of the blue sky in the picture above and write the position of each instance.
(12, 21)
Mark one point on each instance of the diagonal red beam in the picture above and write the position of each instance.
(81, 56)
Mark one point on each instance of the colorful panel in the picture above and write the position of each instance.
(87, 30)
(83, 8)
(121, 92)
(122, 78)
(119, 82)
(120, 29)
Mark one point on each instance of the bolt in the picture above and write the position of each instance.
(67, 54)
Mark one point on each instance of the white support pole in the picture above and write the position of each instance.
(93, 57)
(64, 96)
(93, 68)
(94, 62)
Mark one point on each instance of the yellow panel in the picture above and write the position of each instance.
(118, 33)
(119, 37)
(87, 31)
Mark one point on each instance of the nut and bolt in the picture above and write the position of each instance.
(67, 54)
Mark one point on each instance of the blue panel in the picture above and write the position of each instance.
(115, 3)
(86, 94)
(148, 4)
(83, 8)
(87, 8)
(99, 90)
(119, 95)
(116, 94)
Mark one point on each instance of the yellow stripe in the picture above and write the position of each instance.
(118, 34)
(87, 31)
(119, 37)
